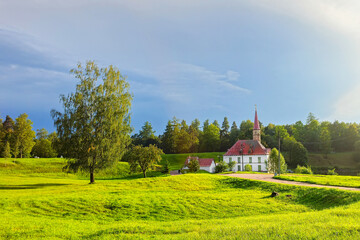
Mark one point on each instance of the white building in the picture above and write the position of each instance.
(250, 152)
(207, 164)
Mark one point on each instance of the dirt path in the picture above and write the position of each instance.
(268, 178)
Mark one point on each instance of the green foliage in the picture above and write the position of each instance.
(246, 130)
(294, 152)
(24, 136)
(210, 139)
(95, 125)
(146, 136)
(6, 152)
(193, 165)
(332, 172)
(144, 158)
(325, 139)
(42, 133)
(166, 167)
(43, 148)
(248, 168)
(231, 165)
(273, 163)
(303, 170)
(221, 167)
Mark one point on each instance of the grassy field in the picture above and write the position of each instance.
(332, 180)
(49, 204)
(177, 160)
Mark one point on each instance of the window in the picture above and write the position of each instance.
(250, 159)
(239, 169)
(239, 160)
(259, 159)
(230, 159)
(259, 168)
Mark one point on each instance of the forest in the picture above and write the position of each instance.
(18, 139)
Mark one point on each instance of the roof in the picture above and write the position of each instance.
(256, 122)
(248, 147)
(203, 162)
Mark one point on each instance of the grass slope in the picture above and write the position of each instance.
(50, 205)
(332, 180)
(177, 161)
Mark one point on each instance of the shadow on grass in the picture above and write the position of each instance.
(30, 186)
(312, 197)
(135, 176)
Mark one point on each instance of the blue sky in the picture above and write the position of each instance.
(190, 59)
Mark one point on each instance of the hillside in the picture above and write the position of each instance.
(342, 161)
(50, 204)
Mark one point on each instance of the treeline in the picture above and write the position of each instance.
(296, 139)
(18, 140)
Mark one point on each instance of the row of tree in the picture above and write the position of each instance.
(296, 139)
(17, 139)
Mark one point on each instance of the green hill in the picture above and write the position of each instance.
(49, 204)
(344, 162)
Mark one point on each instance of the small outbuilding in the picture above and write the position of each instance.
(206, 164)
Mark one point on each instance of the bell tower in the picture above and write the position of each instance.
(256, 130)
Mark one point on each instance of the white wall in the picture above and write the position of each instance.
(246, 158)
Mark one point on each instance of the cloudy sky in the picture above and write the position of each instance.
(189, 58)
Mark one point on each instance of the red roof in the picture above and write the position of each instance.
(203, 162)
(256, 122)
(247, 147)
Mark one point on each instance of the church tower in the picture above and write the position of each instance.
(256, 130)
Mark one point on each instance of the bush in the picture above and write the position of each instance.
(221, 167)
(231, 165)
(248, 168)
(165, 168)
(303, 170)
(193, 165)
(332, 172)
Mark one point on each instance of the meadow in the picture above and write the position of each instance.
(39, 201)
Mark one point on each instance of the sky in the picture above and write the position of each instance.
(203, 59)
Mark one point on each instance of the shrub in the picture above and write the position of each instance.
(332, 172)
(165, 168)
(221, 167)
(193, 165)
(248, 168)
(231, 165)
(303, 170)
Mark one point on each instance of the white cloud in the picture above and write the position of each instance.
(347, 107)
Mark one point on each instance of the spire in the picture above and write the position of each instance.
(256, 122)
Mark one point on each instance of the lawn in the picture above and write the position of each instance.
(52, 205)
(332, 180)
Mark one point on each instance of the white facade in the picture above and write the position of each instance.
(210, 169)
(257, 162)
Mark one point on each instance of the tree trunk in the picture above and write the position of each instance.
(20, 153)
(144, 172)
(92, 179)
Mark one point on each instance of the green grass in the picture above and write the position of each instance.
(53, 205)
(332, 180)
(177, 161)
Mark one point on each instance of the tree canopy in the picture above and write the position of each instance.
(94, 127)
